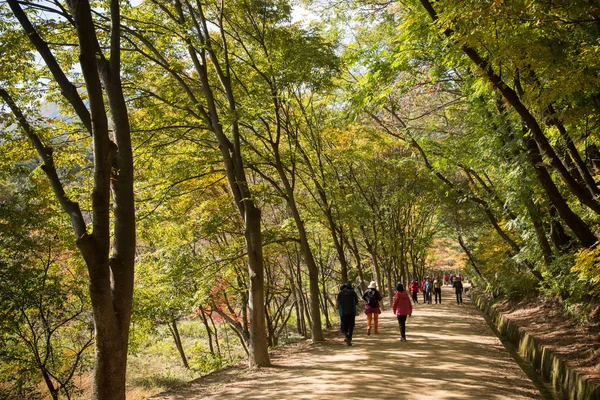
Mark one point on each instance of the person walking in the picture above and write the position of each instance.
(458, 286)
(437, 289)
(372, 297)
(427, 291)
(413, 287)
(402, 308)
(346, 304)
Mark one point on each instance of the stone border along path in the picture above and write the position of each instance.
(541, 359)
(451, 353)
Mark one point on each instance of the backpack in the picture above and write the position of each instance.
(371, 297)
(347, 300)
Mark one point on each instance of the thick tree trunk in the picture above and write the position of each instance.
(259, 351)
(111, 280)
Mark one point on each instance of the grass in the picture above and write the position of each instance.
(157, 366)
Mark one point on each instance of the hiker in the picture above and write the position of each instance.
(451, 279)
(372, 297)
(413, 287)
(437, 289)
(458, 286)
(446, 278)
(346, 304)
(402, 308)
(427, 290)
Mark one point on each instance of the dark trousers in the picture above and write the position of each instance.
(414, 297)
(348, 325)
(427, 296)
(459, 297)
(402, 323)
(438, 292)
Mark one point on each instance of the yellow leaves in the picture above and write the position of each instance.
(587, 266)
(497, 3)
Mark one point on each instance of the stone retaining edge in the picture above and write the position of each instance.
(572, 384)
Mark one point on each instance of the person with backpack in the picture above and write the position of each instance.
(372, 297)
(402, 308)
(346, 304)
(458, 286)
(413, 287)
(437, 289)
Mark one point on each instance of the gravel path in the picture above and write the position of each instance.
(450, 353)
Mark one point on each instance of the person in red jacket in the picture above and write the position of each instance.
(413, 287)
(402, 308)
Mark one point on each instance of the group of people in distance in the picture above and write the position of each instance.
(347, 303)
(435, 286)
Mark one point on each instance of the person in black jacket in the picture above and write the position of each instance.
(458, 286)
(346, 303)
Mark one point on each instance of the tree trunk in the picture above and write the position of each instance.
(309, 259)
(177, 338)
(559, 237)
(538, 226)
(233, 162)
(353, 246)
(111, 278)
(582, 169)
(297, 304)
(324, 298)
(471, 259)
(579, 228)
(208, 330)
(582, 194)
(214, 329)
(259, 351)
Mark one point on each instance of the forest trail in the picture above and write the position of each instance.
(450, 353)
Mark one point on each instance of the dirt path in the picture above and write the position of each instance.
(451, 353)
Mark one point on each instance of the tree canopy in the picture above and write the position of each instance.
(227, 164)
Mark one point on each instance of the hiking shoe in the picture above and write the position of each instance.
(403, 339)
(349, 342)
(369, 331)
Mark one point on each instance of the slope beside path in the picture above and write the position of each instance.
(450, 353)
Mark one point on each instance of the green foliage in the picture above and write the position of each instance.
(517, 286)
(45, 324)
